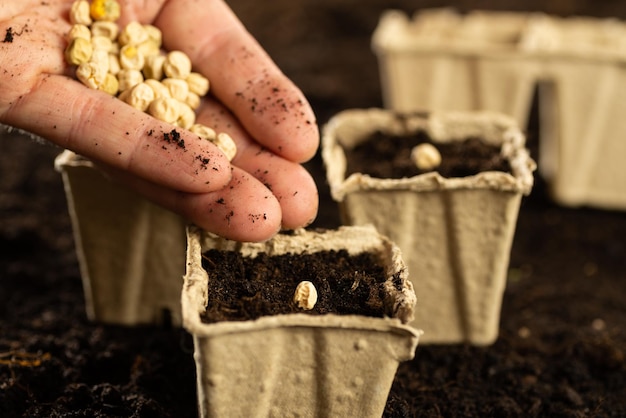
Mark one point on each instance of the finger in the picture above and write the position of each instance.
(107, 130)
(292, 185)
(245, 210)
(242, 76)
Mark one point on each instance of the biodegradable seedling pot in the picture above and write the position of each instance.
(455, 233)
(298, 364)
(441, 60)
(131, 252)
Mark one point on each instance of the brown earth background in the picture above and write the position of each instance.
(563, 327)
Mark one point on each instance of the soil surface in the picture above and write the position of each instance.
(245, 288)
(385, 156)
(563, 325)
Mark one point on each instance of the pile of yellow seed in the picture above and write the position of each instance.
(130, 63)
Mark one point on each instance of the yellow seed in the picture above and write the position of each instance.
(179, 89)
(198, 84)
(110, 84)
(78, 51)
(177, 65)
(226, 144)
(91, 75)
(192, 100)
(133, 34)
(426, 156)
(79, 13)
(108, 10)
(159, 89)
(154, 34)
(203, 131)
(149, 48)
(101, 59)
(105, 28)
(79, 31)
(114, 64)
(186, 116)
(305, 295)
(129, 78)
(102, 43)
(165, 109)
(153, 68)
(130, 58)
(140, 97)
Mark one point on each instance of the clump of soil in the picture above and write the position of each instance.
(244, 288)
(389, 156)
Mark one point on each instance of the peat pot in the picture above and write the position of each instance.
(131, 252)
(298, 364)
(442, 60)
(455, 233)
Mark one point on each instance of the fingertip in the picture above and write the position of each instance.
(299, 205)
(305, 143)
(243, 211)
(182, 161)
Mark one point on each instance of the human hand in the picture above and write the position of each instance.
(250, 99)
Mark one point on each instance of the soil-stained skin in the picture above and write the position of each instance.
(173, 138)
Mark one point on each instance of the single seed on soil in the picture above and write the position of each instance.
(305, 296)
(426, 156)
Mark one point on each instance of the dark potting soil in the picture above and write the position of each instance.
(389, 156)
(562, 344)
(243, 288)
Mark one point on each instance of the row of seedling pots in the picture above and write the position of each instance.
(447, 238)
(442, 60)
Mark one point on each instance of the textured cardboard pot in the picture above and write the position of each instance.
(440, 60)
(455, 234)
(298, 364)
(131, 252)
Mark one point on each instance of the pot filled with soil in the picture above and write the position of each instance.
(309, 323)
(130, 251)
(453, 217)
(443, 60)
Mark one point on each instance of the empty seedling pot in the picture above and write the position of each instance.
(131, 252)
